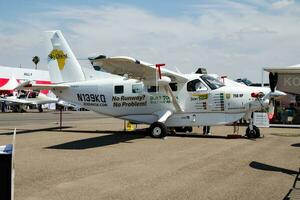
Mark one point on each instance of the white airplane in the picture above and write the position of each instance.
(31, 98)
(144, 93)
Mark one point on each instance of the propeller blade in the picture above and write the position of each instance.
(273, 78)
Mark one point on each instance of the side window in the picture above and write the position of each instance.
(119, 89)
(196, 85)
(151, 88)
(137, 88)
(200, 87)
(173, 86)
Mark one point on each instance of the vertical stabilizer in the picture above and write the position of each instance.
(62, 64)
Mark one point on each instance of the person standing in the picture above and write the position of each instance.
(206, 130)
(3, 104)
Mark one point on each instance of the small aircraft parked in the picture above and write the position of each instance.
(26, 99)
(140, 92)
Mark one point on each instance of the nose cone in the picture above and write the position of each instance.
(266, 102)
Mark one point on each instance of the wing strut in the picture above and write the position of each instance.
(174, 100)
(163, 115)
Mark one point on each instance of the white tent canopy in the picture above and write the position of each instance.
(11, 84)
(288, 78)
(290, 69)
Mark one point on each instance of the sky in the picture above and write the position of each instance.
(233, 38)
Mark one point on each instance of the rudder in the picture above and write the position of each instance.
(62, 63)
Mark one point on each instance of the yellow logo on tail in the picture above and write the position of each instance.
(59, 56)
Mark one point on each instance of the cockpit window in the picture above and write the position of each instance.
(212, 82)
(173, 86)
(195, 85)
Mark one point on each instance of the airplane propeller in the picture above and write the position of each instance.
(273, 79)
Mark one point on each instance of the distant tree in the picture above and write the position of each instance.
(35, 60)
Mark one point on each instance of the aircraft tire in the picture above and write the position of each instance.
(158, 130)
(15, 108)
(20, 109)
(40, 108)
(255, 133)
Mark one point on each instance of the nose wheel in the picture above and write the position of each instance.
(253, 133)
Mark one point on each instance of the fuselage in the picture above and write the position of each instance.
(203, 101)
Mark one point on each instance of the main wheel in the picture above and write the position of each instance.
(158, 130)
(40, 108)
(254, 133)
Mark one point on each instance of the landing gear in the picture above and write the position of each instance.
(40, 108)
(18, 108)
(254, 133)
(158, 130)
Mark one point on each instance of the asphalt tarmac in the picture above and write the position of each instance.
(92, 158)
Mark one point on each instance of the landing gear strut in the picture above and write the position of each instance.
(252, 131)
(158, 130)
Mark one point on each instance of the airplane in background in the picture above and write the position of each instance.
(19, 102)
(141, 92)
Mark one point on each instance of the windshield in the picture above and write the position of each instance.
(212, 82)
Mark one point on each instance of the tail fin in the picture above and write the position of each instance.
(62, 64)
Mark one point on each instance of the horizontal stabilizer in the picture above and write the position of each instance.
(28, 85)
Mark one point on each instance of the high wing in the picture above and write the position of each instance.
(140, 70)
(136, 69)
